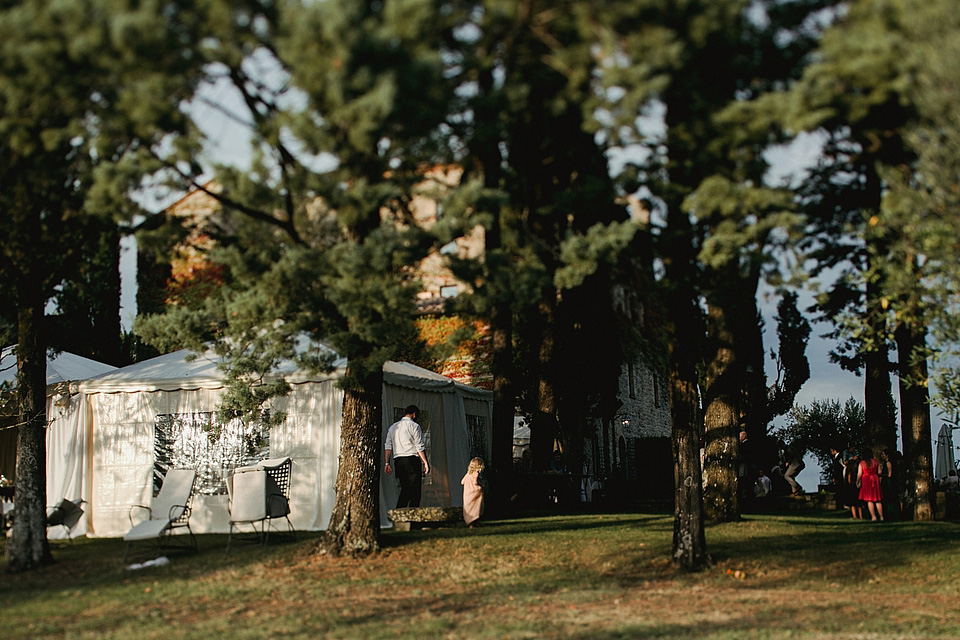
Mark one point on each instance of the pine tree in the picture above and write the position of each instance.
(75, 83)
(345, 125)
(920, 215)
(719, 64)
(860, 92)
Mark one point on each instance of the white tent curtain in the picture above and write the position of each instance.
(444, 407)
(308, 436)
(67, 445)
(68, 430)
(115, 466)
(436, 486)
(123, 455)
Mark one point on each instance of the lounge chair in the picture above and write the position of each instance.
(247, 502)
(278, 472)
(170, 510)
(259, 494)
(66, 514)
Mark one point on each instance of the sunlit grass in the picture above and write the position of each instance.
(803, 575)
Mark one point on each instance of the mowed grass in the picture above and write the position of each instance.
(796, 575)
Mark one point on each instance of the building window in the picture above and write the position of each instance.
(631, 384)
(656, 390)
(198, 441)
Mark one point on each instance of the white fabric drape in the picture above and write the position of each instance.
(67, 476)
(448, 450)
(123, 455)
(108, 454)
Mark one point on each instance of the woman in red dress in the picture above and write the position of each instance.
(868, 479)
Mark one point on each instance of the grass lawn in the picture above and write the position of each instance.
(814, 574)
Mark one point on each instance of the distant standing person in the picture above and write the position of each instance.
(850, 453)
(836, 474)
(473, 483)
(851, 490)
(793, 465)
(891, 483)
(868, 479)
(763, 487)
(404, 443)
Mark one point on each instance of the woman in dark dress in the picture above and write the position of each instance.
(850, 490)
(891, 483)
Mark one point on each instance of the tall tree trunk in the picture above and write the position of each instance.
(354, 528)
(545, 428)
(749, 331)
(880, 425)
(723, 382)
(504, 389)
(689, 540)
(877, 396)
(684, 339)
(915, 407)
(28, 547)
(107, 323)
(906, 420)
(490, 166)
(501, 320)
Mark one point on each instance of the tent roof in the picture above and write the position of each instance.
(184, 369)
(64, 367)
(179, 370)
(404, 374)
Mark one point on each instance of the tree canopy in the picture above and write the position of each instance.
(506, 115)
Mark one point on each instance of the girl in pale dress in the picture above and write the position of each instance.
(473, 483)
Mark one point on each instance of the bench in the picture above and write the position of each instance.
(408, 518)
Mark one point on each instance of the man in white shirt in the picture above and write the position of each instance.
(404, 444)
(764, 486)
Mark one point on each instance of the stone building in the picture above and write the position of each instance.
(632, 449)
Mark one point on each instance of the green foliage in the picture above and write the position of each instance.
(920, 208)
(742, 219)
(793, 369)
(82, 85)
(823, 425)
(340, 125)
(882, 202)
(581, 255)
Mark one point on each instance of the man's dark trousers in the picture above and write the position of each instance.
(410, 475)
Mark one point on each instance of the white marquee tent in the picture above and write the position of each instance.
(128, 410)
(66, 444)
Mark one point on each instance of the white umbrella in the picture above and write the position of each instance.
(945, 460)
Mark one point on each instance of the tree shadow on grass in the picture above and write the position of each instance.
(98, 562)
(530, 526)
